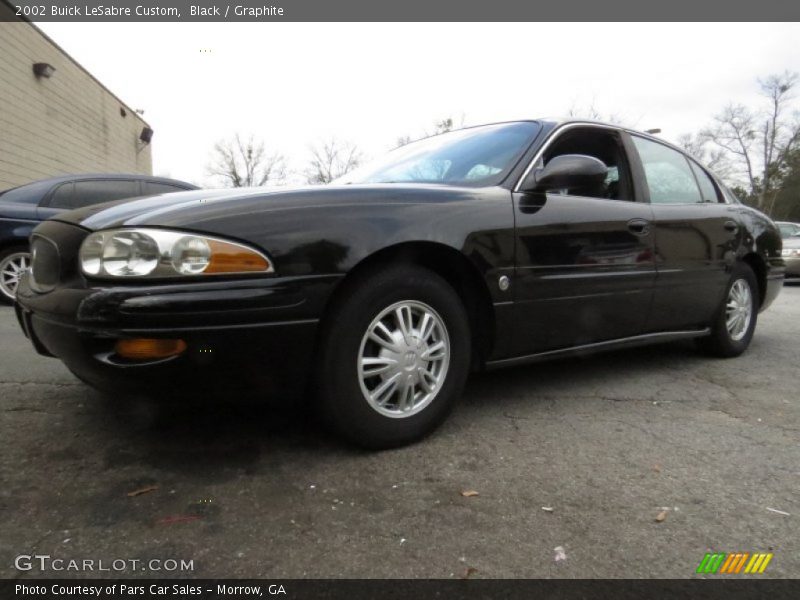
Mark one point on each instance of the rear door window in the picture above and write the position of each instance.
(669, 176)
(708, 191)
(92, 192)
(729, 196)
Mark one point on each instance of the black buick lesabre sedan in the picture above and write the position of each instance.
(484, 247)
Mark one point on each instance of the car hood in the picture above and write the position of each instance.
(792, 242)
(192, 208)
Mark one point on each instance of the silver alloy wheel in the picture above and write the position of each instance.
(739, 309)
(403, 359)
(11, 269)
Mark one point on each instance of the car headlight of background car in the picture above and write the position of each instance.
(791, 253)
(148, 253)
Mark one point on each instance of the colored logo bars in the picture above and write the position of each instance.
(734, 563)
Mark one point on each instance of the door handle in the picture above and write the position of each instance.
(639, 226)
(731, 226)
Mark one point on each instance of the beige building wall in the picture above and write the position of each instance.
(68, 123)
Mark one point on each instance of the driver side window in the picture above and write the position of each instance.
(603, 144)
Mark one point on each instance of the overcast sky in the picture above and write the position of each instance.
(294, 84)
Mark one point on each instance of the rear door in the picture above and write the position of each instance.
(696, 236)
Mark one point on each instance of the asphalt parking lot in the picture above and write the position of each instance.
(607, 443)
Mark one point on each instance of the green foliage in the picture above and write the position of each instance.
(787, 200)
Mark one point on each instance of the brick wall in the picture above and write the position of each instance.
(68, 123)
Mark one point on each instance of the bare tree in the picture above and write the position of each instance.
(245, 163)
(592, 113)
(760, 141)
(443, 126)
(694, 144)
(332, 159)
(439, 126)
(403, 140)
(447, 124)
(699, 146)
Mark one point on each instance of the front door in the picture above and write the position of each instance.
(584, 258)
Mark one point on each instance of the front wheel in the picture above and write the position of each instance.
(735, 322)
(394, 358)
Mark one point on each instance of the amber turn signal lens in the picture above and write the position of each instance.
(232, 258)
(148, 349)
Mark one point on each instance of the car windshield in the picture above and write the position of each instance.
(788, 230)
(26, 194)
(475, 156)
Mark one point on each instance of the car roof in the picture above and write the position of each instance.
(113, 176)
(33, 192)
(554, 122)
(42, 186)
(551, 123)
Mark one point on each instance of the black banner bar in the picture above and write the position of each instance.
(398, 10)
(350, 589)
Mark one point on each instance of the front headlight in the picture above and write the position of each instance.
(161, 253)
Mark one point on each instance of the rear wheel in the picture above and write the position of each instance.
(13, 263)
(733, 327)
(394, 358)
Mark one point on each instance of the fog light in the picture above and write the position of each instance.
(148, 349)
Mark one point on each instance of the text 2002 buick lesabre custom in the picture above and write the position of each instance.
(487, 246)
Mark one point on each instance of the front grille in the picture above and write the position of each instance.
(45, 264)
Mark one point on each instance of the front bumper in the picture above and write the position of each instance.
(273, 358)
(241, 334)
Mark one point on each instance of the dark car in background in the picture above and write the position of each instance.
(24, 207)
(484, 247)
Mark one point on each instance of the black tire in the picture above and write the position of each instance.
(720, 342)
(340, 400)
(4, 297)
